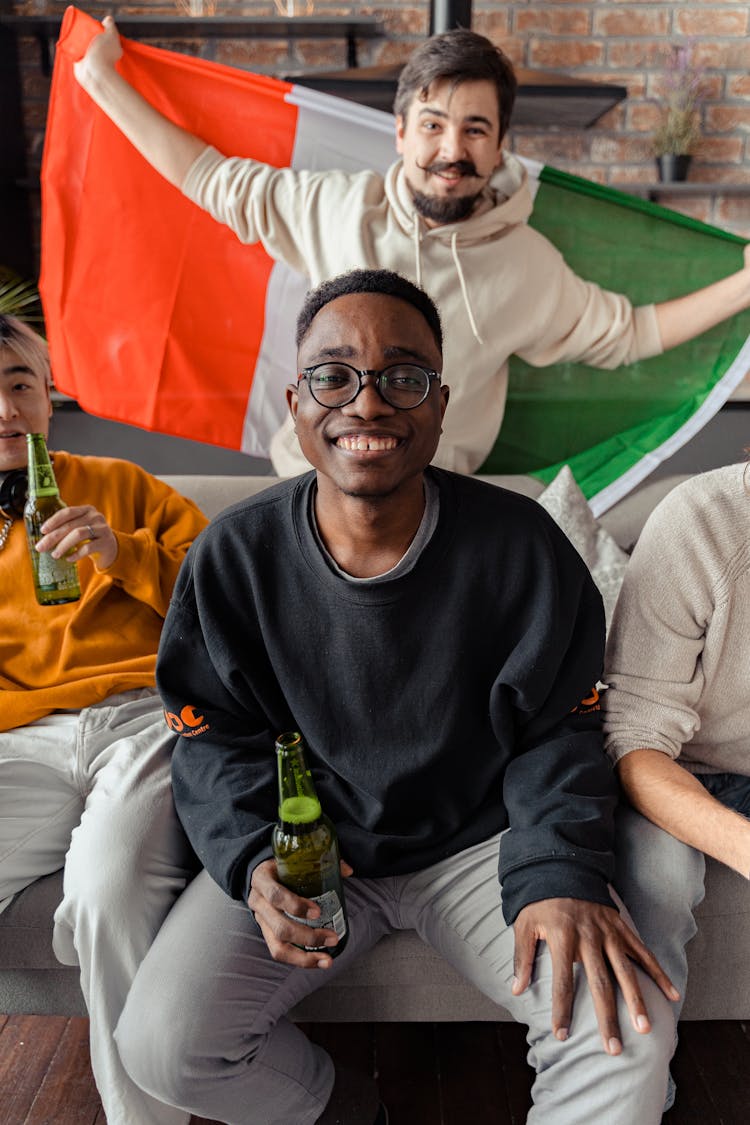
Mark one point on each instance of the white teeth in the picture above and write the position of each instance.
(363, 443)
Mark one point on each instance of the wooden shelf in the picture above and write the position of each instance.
(543, 98)
(46, 29)
(682, 187)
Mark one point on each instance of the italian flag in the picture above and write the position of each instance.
(159, 317)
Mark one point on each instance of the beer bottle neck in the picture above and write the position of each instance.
(41, 476)
(298, 801)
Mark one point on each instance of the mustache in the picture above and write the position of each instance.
(463, 167)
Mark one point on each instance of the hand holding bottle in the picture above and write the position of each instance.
(74, 533)
(272, 904)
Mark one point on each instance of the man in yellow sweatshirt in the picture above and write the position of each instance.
(84, 749)
(451, 215)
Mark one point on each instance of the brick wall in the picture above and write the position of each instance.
(622, 42)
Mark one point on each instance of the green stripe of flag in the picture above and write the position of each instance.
(614, 427)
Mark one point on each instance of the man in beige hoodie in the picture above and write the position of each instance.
(450, 215)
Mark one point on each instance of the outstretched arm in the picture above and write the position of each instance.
(675, 800)
(168, 148)
(686, 317)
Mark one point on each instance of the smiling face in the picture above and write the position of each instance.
(450, 144)
(25, 408)
(368, 448)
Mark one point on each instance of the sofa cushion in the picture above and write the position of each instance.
(569, 509)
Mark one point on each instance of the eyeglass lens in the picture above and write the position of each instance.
(335, 384)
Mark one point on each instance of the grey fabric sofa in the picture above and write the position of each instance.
(401, 979)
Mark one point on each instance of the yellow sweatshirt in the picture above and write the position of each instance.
(70, 656)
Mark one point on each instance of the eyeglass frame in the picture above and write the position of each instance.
(377, 374)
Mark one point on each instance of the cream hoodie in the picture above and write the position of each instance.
(501, 288)
(677, 653)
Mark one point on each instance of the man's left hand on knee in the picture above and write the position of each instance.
(606, 946)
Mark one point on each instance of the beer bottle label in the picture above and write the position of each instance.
(53, 574)
(331, 917)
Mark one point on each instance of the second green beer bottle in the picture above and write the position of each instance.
(55, 580)
(305, 844)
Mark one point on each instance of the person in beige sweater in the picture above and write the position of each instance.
(677, 708)
(450, 215)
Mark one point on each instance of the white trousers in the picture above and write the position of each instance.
(91, 790)
(205, 1028)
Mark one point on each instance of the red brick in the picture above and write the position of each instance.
(626, 22)
(262, 55)
(34, 85)
(697, 207)
(732, 54)
(614, 119)
(734, 212)
(710, 21)
(634, 81)
(620, 149)
(738, 86)
(565, 55)
(589, 172)
(720, 173)
(631, 174)
(553, 21)
(720, 150)
(320, 54)
(712, 86)
(35, 115)
(550, 147)
(636, 53)
(401, 21)
(643, 117)
(725, 118)
(495, 25)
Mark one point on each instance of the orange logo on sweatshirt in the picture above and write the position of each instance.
(187, 723)
(589, 703)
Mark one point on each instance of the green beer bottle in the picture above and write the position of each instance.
(55, 580)
(305, 844)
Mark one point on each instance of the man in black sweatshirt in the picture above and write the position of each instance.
(436, 640)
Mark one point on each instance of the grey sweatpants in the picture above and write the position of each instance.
(204, 1027)
(91, 790)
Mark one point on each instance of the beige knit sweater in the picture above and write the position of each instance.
(678, 652)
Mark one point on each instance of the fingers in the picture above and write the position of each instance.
(604, 998)
(645, 958)
(277, 910)
(523, 956)
(74, 533)
(563, 987)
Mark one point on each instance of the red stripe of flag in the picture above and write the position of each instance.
(155, 312)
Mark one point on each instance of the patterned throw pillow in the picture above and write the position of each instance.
(605, 559)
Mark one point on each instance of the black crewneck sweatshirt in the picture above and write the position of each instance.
(438, 707)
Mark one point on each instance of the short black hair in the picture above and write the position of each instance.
(384, 282)
(459, 56)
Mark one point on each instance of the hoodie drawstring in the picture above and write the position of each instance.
(464, 290)
(417, 253)
(459, 271)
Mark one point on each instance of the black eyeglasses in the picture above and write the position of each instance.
(403, 385)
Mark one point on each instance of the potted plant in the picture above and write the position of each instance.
(679, 130)
(18, 297)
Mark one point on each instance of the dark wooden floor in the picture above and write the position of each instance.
(429, 1074)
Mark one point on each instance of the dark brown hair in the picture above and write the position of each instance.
(460, 56)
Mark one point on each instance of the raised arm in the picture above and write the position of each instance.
(686, 317)
(170, 149)
(673, 798)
